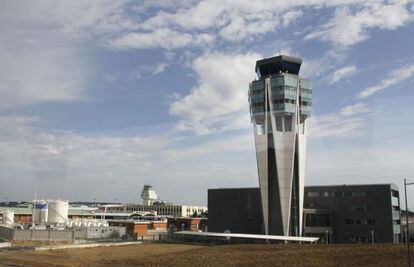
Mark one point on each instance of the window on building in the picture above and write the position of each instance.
(318, 220)
(358, 194)
(370, 207)
(369, 221)
(312, 194)
(288, 123)
(260, 129)
(279, 124)
(360, 207)
(310, 205)
(349, 221)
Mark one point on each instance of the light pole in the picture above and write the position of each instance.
(406, 221)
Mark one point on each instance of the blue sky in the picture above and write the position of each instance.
(100, 97)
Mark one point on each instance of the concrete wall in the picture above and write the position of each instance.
(62, 235)
(43, 235)
(105, 232)
(22, 234)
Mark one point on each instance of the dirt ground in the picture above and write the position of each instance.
(219, 255)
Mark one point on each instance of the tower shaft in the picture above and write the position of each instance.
(280, 104)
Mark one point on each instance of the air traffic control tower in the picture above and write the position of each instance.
(280, 103)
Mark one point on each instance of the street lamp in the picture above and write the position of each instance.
(406, 220)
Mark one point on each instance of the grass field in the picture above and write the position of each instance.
(223, 255)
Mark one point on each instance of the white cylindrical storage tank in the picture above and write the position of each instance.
(40, 211)
(58, 211)
(8, 217)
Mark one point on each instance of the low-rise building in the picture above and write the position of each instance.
(158, 208)
(353, 213)
(141, 229)
(188, 224)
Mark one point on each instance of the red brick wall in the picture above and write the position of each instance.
(159, 225)
(141, 229)
(22, 218)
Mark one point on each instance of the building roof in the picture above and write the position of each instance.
(391, 185)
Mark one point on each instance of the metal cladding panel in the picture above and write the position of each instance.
(302, 167)
(235, 209)
(262, 166)
(284, 148)
(261, 143)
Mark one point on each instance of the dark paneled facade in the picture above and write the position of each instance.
(236, 209)
(358, 212)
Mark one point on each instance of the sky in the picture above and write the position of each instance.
(98, 98)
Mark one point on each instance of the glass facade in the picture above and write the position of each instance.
(284, 90)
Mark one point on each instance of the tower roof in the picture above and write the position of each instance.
(275, 64)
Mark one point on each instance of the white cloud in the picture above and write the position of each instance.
(239, 29)
(43, 58)
(394, 77)
(237, 21)
(356, 164)
(197, 23)
(144, 71)
(159, 68)
(68, 165)
(355, 109)
(351, 25)
(347, 122)
(220, 97)
(38, 75)
(290, 17)
(312, 68)
(342, 73)
(159, 38)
